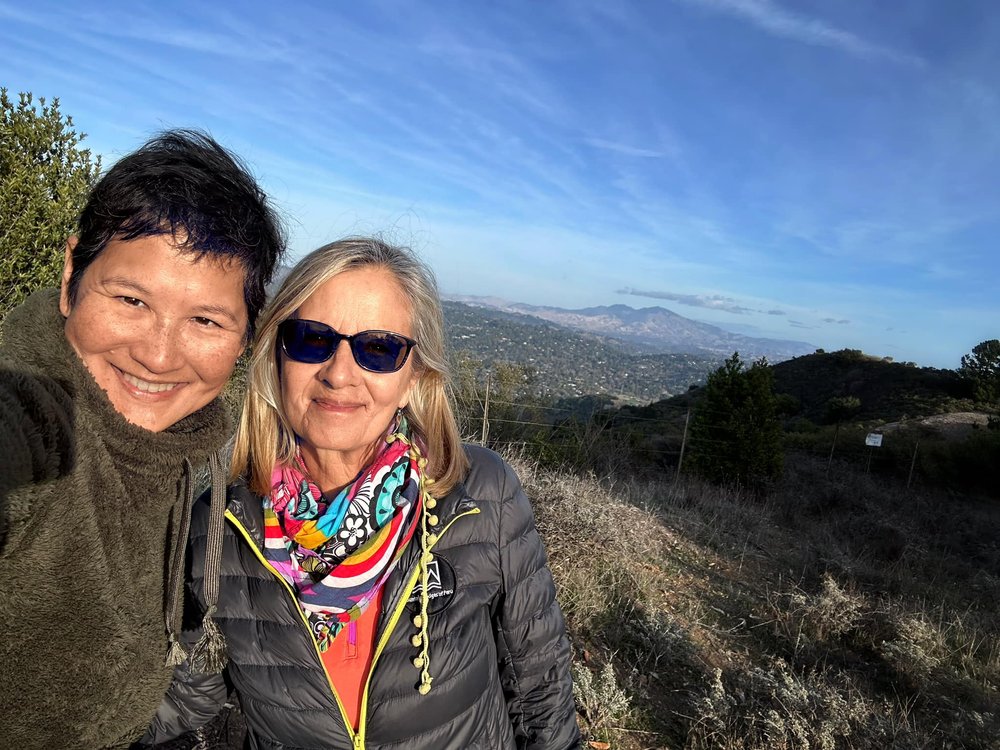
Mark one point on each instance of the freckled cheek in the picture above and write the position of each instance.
(214, 363)
(96, 334)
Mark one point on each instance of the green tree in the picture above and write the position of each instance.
(841, 408)
(494, 400)
(838, 410)
(44, 180)
(981, 368)
(735, 433)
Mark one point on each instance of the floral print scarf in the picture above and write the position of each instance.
(337, 553)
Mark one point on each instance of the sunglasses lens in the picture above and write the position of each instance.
(307, 341)
(311, 342)
(379, 351)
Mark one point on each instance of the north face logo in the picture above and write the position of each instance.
(440, 587)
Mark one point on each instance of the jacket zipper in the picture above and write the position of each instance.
(357, 738)
(305, 621)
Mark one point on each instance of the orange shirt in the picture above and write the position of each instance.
(349, 659)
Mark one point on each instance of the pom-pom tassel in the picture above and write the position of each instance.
(209, 654)
(175, 653)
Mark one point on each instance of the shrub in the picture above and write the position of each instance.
(601, 700)
(981, 369)
(735, 434)
(45, 178)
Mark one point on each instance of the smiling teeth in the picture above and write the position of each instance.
(147, 387)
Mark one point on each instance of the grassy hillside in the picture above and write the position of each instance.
(845, 614)
(843, 609)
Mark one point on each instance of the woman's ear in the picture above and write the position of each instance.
(64, 301)
(404, 400)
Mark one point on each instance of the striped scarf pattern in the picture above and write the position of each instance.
(337, 553)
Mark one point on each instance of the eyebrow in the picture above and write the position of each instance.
(128, 284)
(205, 309)
(217, 310)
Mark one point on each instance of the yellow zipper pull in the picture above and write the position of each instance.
(358, 742)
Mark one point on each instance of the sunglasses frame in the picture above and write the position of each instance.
(337, 337)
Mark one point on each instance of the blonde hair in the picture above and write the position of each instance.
(264, 437)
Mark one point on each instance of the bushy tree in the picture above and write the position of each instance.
(981, 368)
(44, 180)
(838, 410)
(494, 401)
(841, 408)
(735, 433)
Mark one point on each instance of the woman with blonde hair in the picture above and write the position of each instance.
(378, 583)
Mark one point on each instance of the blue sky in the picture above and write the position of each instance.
(826, 172)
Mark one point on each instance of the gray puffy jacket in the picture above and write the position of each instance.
(498, 649)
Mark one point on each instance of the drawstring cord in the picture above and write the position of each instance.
(208, 655)
(175, 578)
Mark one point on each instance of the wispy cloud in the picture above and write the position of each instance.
(625, 149)
(708, 301)
(775, 20)
(573, 149)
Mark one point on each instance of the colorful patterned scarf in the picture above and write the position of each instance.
(338, 553)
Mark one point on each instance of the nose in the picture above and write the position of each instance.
(341, 369)
(160, 349)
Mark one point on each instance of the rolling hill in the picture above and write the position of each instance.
(654, 329)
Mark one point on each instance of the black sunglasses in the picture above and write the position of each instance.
(312, 342)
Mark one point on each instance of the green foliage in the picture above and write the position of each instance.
(968, 465)
(787, 405)
(494, 401)
(45, 178)
(841, 408)
(735, 433)
(887, 391)
(981, 369)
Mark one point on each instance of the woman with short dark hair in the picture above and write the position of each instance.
(109, 412)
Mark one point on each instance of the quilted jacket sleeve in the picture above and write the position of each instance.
(36, 435)
(533, 648)
(192, 701)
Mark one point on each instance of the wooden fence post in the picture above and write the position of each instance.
(680, 459)
(486, 412)
(913, 463)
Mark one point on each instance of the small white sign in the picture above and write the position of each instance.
(874, 439)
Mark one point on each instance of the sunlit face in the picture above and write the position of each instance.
(338, 410)
(159, 329)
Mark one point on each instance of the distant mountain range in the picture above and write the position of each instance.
(566, 363)
(652, 329)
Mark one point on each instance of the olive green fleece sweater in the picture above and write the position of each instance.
(90, 516)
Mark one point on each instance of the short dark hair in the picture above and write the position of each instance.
(184, 184)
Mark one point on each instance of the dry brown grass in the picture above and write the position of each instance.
(831, 615)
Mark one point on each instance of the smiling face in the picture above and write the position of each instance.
(338, 410)
(159, 329)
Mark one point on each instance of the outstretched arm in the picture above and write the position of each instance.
(36, 435)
